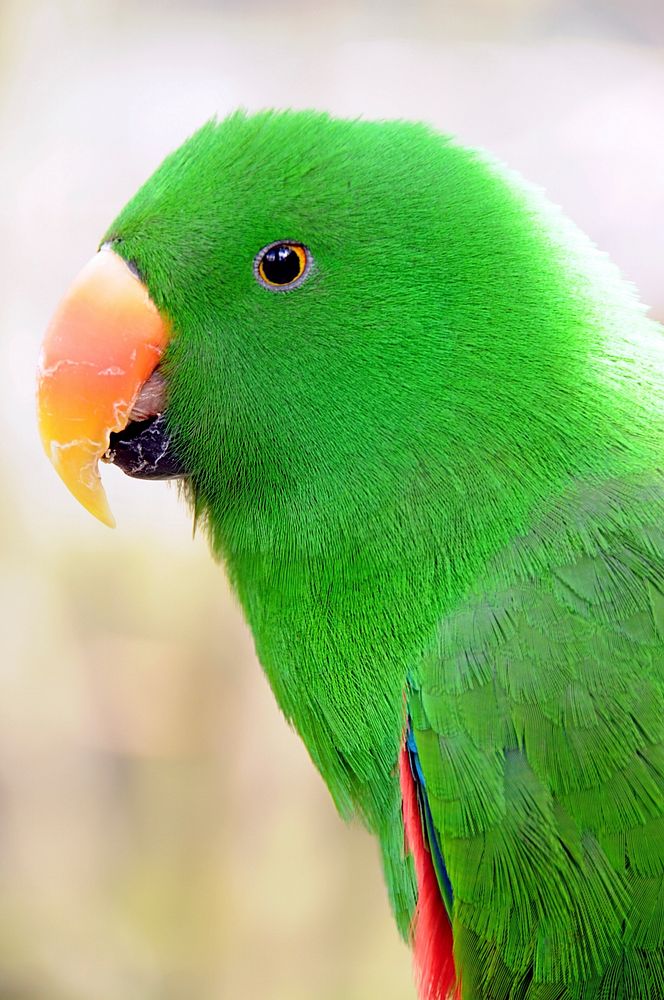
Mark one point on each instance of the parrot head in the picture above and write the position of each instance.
(309, 320)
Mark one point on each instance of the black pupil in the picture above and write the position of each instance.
(281, 265)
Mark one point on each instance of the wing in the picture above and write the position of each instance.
(539, 724)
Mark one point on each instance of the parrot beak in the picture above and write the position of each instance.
(102, 345)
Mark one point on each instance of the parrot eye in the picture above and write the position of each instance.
(281, 266)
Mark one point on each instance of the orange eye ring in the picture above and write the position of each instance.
(282, 266)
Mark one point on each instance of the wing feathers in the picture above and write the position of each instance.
(539, 721)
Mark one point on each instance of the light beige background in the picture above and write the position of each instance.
(162, 833)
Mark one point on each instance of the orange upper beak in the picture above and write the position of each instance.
(104, 341)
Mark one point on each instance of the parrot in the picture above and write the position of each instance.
(420, 417)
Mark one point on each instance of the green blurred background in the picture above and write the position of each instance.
(162, 832)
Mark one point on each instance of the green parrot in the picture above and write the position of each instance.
(422, 420)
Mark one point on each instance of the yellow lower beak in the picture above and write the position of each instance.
(104, 341)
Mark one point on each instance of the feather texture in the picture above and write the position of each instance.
(539, 723)
(436, 467)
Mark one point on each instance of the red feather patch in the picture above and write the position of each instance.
(432, 931)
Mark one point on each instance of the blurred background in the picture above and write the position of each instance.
(162, 832)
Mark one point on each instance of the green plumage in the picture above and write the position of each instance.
(433, 472)
(545, 786)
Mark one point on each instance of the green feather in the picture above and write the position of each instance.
(436, 467)
(551, 861)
